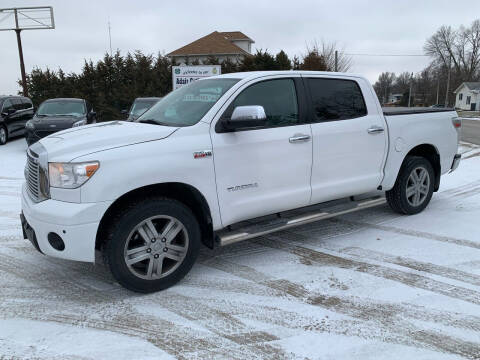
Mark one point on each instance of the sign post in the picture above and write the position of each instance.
(184, 75)
(26, 18)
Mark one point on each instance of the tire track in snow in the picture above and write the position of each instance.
(414, 233)
(406, 278)
(414, 264)
(418, 337)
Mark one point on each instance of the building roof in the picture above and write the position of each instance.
(215, 43)
(475, 86)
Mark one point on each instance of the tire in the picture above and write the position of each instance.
(155, 261)
(419, 186)
(3, 135)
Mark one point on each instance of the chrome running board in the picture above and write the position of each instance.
(285, 220)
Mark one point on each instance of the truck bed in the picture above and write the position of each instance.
(391, 111)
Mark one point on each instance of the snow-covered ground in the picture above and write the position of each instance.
(368, 285)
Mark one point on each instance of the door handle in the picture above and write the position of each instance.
(375, 129)
(299, 138)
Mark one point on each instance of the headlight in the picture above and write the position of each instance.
(80, 123)
(29, 125)
(71, 175)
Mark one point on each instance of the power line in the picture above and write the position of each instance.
(388, 55)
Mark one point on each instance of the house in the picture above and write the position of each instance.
(395, 98)
(232, 45)
(467, 96)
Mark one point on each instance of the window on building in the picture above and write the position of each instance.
(460, 97)
(335, 99)
(469, 98)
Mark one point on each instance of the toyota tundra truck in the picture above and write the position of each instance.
(225, 159)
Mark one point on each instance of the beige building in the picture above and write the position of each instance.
(233, 45)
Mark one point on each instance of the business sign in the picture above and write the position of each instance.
(184, 75)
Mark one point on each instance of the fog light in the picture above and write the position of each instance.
(56, 241)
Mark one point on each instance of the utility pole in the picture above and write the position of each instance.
(110, 36)
(410, 91)
(448, 80)
(438, 89)
(336, 60)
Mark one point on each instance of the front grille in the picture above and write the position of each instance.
(32, 175)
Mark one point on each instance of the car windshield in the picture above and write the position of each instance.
(187, 105)
(64, 108)
(140, 106)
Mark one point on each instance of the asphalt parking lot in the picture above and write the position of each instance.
(371, 284)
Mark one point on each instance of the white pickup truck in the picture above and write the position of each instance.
(226, 159)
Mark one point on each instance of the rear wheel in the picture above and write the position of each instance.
(3, 135)
(153, 245)
(413, 189)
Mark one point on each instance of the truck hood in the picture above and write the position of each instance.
(69, 144)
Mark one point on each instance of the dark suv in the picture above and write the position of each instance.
(59, 114)
(15, 111)
(139, 106)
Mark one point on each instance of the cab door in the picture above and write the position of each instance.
(264, 170)
(349, 138)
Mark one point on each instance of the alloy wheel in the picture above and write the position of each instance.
(156, 247)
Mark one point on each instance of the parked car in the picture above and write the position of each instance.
(58, 114)
(139, 106)
(438, 106)
(14, 114)
(225, 159)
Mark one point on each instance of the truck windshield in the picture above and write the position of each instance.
(64, 108)
(187, 105)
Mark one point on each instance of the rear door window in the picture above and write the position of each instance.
(17, 104)
(26, 103)
(336, 99)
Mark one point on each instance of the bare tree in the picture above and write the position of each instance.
(324, 54)
(383, 86)
(457, 48)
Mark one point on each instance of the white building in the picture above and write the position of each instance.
(233, 45)
(467, 96)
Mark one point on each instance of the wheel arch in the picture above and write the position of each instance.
(431, 153)
(186, 194)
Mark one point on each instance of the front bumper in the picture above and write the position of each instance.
(456, 161)
(76, 224)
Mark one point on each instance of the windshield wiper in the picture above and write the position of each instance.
(154, 122)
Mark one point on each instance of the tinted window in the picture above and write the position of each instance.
(7, 105)
(335, 99)
(17, 104)
(278, 98)
(27, 103)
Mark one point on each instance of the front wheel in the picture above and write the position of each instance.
(153, 245)
(413, 189)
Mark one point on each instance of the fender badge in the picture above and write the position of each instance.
(202, 154)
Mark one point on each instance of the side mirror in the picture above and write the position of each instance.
(11, 111)
(250, 116)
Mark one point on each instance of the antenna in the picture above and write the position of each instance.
(110, 36)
